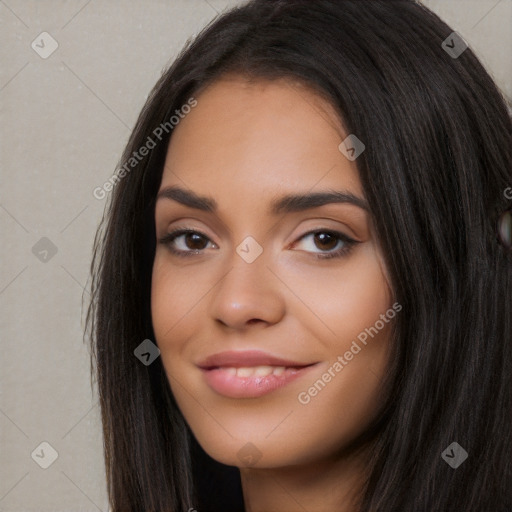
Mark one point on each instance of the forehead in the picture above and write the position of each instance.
(252, 138)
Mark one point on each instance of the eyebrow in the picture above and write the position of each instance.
(284, 204)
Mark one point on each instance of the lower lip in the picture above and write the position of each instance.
(249, 387)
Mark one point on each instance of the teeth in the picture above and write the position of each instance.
(263, 371)
(244, 372)
(256, 371)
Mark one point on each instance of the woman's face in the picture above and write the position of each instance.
(274, 338)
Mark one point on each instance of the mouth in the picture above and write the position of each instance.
(249, 374)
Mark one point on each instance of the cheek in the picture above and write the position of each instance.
(339, 303)
(163, 299)
(343, 317)
(172, 300)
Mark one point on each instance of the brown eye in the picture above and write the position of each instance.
(327, 244)
(325, 241)
(194, 241)
(184, 242)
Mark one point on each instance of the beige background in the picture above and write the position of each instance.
(64, 122)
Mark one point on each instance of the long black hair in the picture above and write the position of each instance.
(437, 161)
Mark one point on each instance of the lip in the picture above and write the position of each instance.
(215, 372)
(245, 358)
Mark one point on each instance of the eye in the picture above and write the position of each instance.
(192, 241)
(332, 244)
(335, 243)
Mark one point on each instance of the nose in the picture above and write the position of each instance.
(249, 293)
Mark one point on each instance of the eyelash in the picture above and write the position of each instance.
(349, 243)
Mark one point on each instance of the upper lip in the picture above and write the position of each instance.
(246, 358)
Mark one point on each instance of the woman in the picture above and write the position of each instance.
(309, 222)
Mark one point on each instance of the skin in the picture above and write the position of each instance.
(245, 143)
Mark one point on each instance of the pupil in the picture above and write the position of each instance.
(322, 237)
(196, 240)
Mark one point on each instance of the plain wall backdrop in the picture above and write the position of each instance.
(74, 76)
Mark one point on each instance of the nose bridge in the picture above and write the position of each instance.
(248, 290)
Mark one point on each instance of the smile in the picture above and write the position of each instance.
(249, 374)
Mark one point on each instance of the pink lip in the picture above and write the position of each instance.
(215, 372)
(238, 359)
